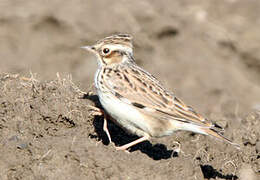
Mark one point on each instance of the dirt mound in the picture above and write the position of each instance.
(47, 133)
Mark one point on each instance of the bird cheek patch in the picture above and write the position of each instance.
(113, 58)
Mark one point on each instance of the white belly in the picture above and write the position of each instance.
(124, 114)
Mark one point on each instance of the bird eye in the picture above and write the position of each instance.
(106, 50)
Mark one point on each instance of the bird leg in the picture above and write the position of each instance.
(126, 146)
(105, 128)
(99, 112)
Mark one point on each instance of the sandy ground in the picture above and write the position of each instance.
(206, 52)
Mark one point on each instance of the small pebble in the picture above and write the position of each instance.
(253, 138)
(22, 146)
(247, 173)
(257, 147)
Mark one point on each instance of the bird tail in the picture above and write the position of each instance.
(215, 133)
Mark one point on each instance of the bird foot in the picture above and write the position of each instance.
(95, 111)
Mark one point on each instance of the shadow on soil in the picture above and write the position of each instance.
(209, 172)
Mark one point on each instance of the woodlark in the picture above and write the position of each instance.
(136, 100)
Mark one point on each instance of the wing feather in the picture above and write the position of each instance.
(143, 90)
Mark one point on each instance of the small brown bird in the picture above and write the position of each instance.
(136, 100)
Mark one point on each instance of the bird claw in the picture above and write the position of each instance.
(178, 148)
(119, 148)
(95, 111)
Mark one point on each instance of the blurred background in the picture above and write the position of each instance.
(207, 52)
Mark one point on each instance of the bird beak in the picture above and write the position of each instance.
(89, 48)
